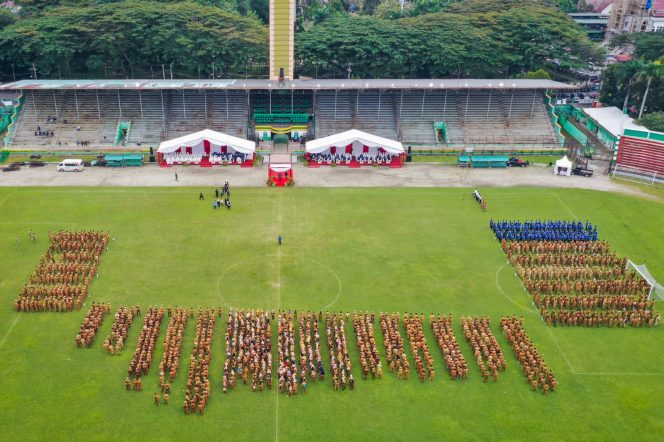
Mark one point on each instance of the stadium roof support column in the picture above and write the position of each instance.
(488, 108)
(163, 114)
(227, 110)
(424, 97)
(34, 103)
(140, 102)
(532, 106)
(465, 113)
(509, 114)
(335, 103)
(205, 101)
(445, 105)
(119, 104)
(380, 98)
(184, 105)
(400, 103)
(55, 104)
(98, 107)
(78, 115)
(291, 101)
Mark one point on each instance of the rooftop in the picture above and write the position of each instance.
(612, 119)
(288, 85)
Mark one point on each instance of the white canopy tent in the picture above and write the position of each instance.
(358, 140)
(216, 140)
(563, 167)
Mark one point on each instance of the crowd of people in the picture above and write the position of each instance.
(114, 342)
(170, 360)
(91, 323)
(147, 341)
(487, 352)
(449, 347)
(226, 158)
(287, 359)
(418, 345)
(344, 158)
(552, 230)
(60, 281)
(310, 351)
(635, 317)
(394, 345)
(222, 197)
(366, 344)
(340, 366)
(534, 368)
(480, 199)
(248, 350)
(44, 132)
(198, 384)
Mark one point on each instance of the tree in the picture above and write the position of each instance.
(627, 76)
(540, 74)
(131, 38)
(652, 121)
(650, 71)
(6, 17)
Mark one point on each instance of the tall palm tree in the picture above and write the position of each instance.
(632, 68)
(650, 71)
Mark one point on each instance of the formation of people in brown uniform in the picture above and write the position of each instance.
(366, 344)
(534, 368)
(394, 345)
(449, 347)
(310, 351)
(418, 345)
(582, 283)
(287, 360)
(60, 281)
(597, 310)
(487, 352)
(170, 360)
(198, 384)
(114, 342)
(248, 350)
(91, 323)
(147, 340)
(340, 366)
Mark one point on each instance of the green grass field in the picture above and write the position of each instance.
(423, 250)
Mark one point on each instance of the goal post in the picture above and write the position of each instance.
(656, 290)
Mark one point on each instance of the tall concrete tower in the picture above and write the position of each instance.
(282, 39)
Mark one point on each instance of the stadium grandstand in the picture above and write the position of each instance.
(640, 156)
(502, 114)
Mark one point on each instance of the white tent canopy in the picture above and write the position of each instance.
(358, 139)
(563, 167)
(216, 140)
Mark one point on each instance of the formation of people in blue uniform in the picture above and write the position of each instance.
(551, 230)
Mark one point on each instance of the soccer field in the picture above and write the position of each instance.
(405, 250)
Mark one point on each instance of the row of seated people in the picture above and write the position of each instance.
(364, 158)
(234, 157)
(178, 158)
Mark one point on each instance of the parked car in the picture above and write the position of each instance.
(582, 171)
(516, 162)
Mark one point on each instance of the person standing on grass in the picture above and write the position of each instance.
(279, 240)
(176, 176)
(200, 196)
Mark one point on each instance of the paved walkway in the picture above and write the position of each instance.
(411, 175)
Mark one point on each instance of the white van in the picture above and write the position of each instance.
(71, 166)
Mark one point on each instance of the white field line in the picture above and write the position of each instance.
(11, 327)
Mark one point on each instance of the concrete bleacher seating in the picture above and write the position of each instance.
(642, 155)
(374, 113)
(229, 112)
(37, 107)
(331, 118)
(476, 117)
(418, 111)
